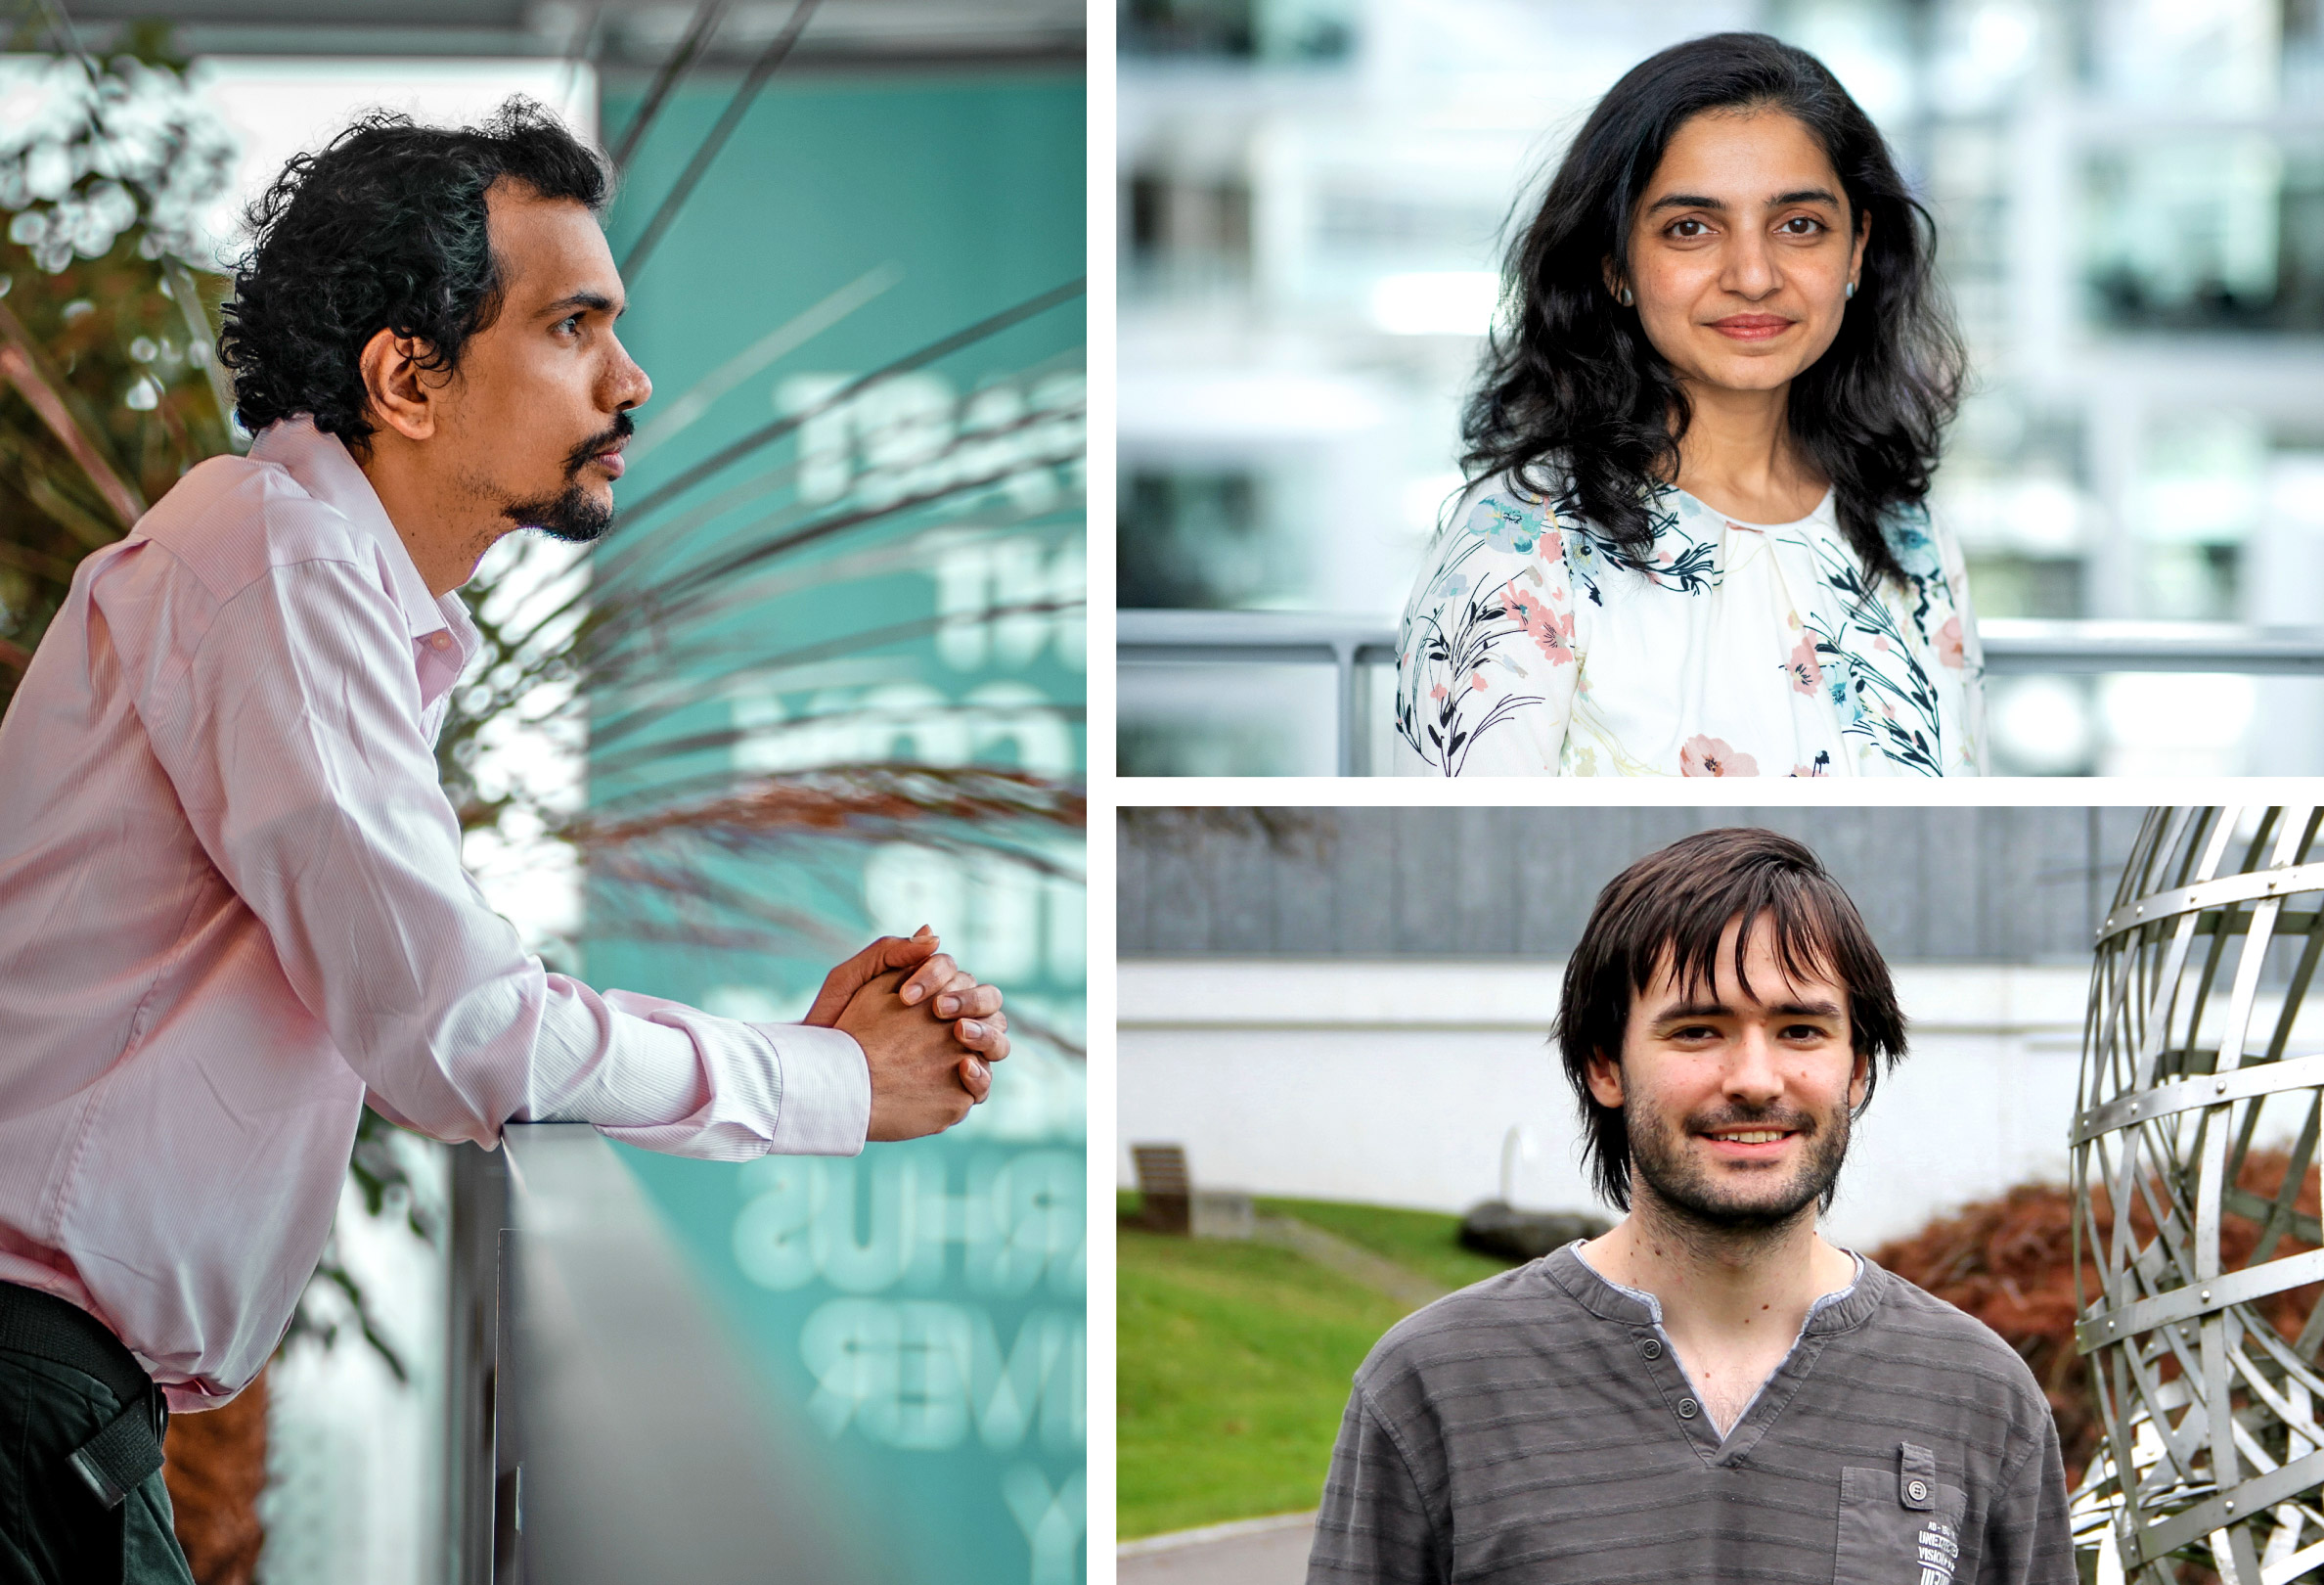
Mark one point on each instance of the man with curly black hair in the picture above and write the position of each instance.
(232, 906)
(376, 277)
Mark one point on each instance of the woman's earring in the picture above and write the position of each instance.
(1850, 288)
(1624, 299)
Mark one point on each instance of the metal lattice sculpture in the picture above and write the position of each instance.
(2198, 1228)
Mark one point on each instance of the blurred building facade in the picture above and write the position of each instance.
(2129, 197)
(913, 1320)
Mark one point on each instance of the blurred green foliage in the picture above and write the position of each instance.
(107, 331)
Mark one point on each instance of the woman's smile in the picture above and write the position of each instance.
(1753, 327)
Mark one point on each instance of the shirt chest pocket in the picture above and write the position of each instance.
(1887, 1535)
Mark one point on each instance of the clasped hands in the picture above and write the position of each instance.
(930, 1033)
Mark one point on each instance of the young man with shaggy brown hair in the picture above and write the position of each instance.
(1711, 1391)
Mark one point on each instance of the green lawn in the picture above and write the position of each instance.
(1234, 1361)
(1234, 1366)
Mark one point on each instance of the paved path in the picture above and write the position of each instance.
(1351, 1260)
(1257, 1552)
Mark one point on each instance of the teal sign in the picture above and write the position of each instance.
(919, 1313)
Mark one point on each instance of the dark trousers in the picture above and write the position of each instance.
(52, 1529)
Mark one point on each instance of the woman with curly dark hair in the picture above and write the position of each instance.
(1695, 539)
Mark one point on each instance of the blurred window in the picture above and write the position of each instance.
(1192, 541)
(2019, 585)
(1240, 30)
(2222, 232)
(1185, 230)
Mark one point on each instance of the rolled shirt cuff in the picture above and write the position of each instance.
(826, 1090)
(790, 1088)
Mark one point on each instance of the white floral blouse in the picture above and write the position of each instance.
(1532, 648)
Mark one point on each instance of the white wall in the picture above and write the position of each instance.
(355, 1460)
(1397, 1082)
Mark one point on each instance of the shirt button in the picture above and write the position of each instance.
(440, 641)
(1651, 1347)
(1686, 1408)
(1918, 1490)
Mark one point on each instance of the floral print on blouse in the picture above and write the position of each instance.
(1530, 647)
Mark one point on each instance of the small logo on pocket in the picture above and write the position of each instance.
(1939, 1551)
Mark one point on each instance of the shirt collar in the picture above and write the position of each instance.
(324, 468)
(1831, 1312)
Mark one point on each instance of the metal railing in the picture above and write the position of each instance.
(1348, 644)
(2013, 645)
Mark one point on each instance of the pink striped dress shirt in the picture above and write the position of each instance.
(231, 908)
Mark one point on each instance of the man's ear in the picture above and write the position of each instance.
(1859, 1080)
(401, 398)
(1605, 1080)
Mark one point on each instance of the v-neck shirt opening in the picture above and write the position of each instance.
(1823, 1303)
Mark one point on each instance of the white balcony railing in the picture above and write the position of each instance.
(1350, 644)
(603, 1426)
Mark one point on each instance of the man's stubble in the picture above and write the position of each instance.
(573, 514)
(1672, 1188)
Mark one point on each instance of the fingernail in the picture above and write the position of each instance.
(912, 993)
(923, 930)
(971, 1029)
(947, 1006)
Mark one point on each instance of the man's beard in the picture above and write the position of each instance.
(573, 514)
(1689, 1191)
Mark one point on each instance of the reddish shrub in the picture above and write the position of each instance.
(215, 1467)
(2009, 1262)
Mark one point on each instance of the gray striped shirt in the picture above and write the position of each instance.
(1538, 1426)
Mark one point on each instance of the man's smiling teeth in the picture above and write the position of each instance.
(1753, 1136)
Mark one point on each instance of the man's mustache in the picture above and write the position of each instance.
(578, 458)
(1788, 1119)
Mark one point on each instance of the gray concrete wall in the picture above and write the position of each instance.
(2010, 884)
